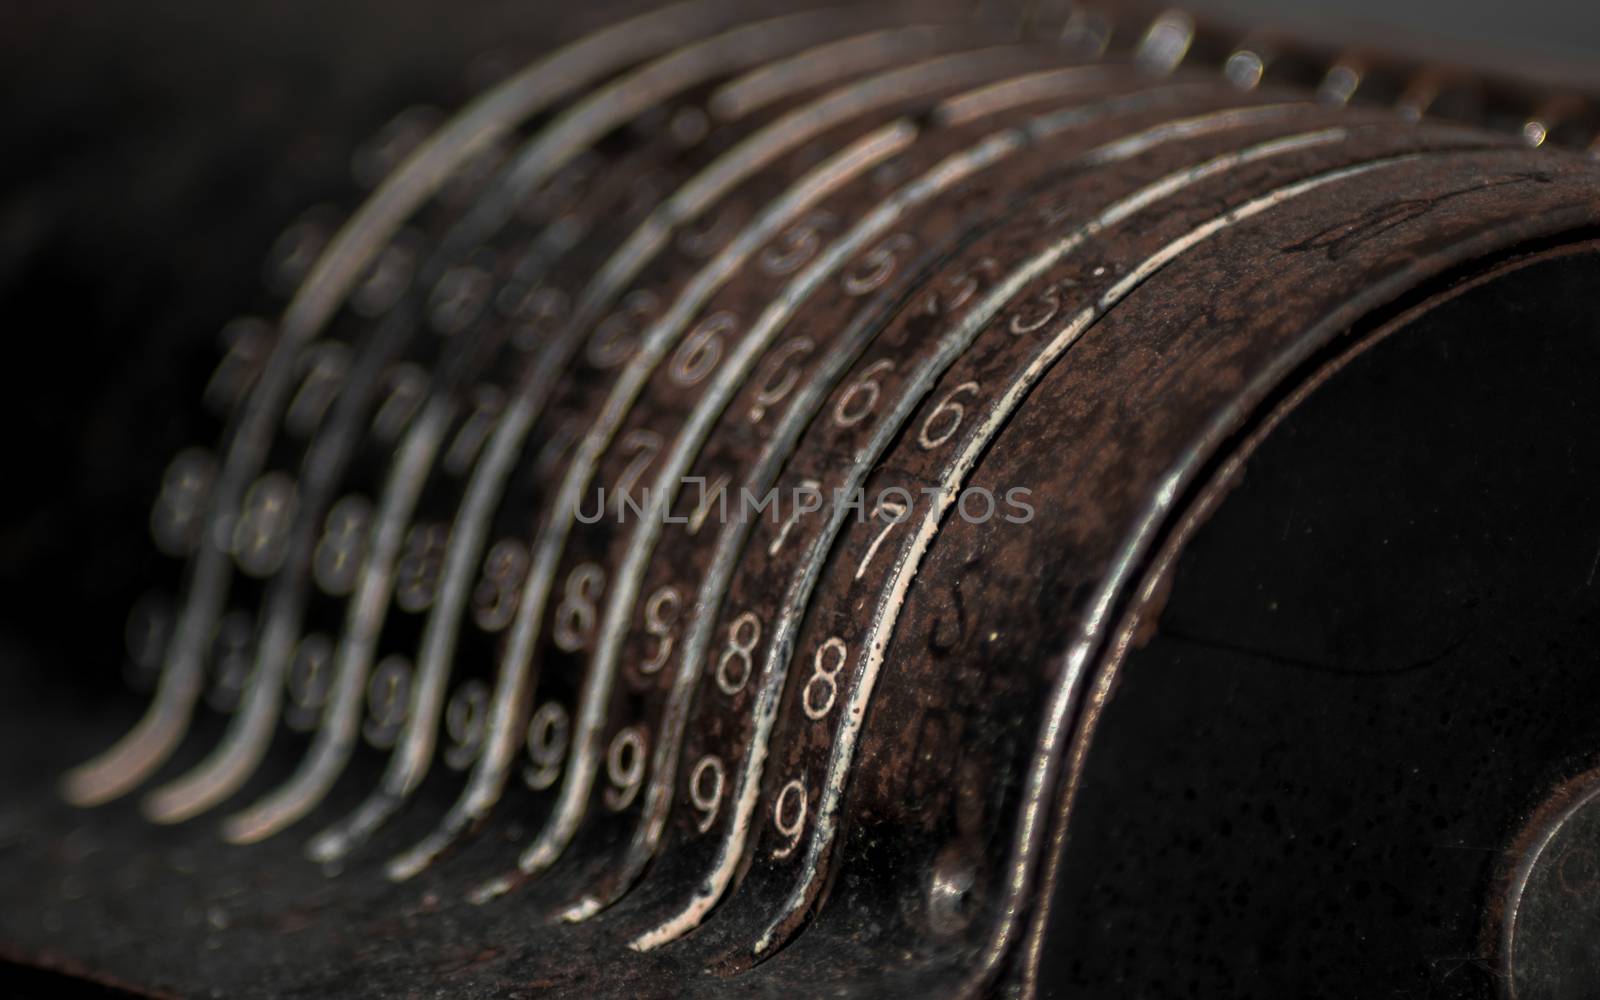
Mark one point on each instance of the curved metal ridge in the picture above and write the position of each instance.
(590, 545)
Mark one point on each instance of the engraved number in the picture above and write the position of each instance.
(797, 244)
(337, 559)
(1045, 307)
(625, 768)
(645, 445)
(309, 681)
(660, 615)
(466, 721)
(945, 419)
(417, 572)
(547, 745)
(960, 288)
(458, 298)
(494, 600)
(248, 341)
(176, 518)
(705, 790)
(324, 366)
(892, 512)
(388, 701)
(614, 337)
(231, 653)
(735, 665)
(261, 535)
(778, 377)
(702, 349)
(807, 486)
(408, 383)
(861, 398)
(487, 402)
(575, 617)
(789, 816)
(822, 687)
(388, 277)
(877, 265)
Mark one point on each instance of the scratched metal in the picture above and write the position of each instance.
(1032, 264)
(460, 287)
(759, 304)
(642, 189)
(678, 289)
(605, 345)
(348, 254)
(920, 709)
(408, 563)
(636, 206)
(1440, 210)
(752, 598)
(847, 620)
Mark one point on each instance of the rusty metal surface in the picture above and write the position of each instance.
(457, 683)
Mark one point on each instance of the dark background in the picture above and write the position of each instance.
(1554, 38)
(153, 151)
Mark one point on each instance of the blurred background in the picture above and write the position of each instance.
(1553, 37)
(155, 151)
